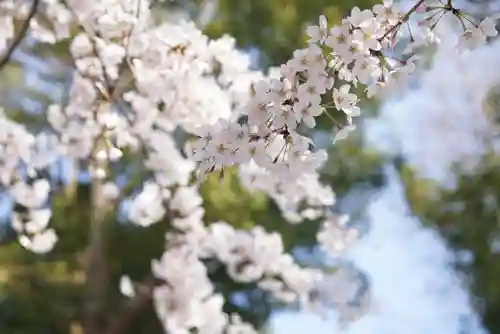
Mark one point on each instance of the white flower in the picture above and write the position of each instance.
(39, 220)
(147, 207)
(367, 69)
(40, 243)
(343, 132)
(185, 200)
(111, 191)
(339, 40)
(307, 114)
(31, 196)
(360, 18)
(334, 235)
(81, 46)
(488, 27)
(126, 287)
(318, 33)
(387, 12)
(307, 94)
(369, 34)
(192, 222)
(345, 101)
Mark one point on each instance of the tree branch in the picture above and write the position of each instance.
(20, 36)
(133, 309)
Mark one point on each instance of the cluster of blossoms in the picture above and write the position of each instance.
(136, 83)
(19, 147)
(249, 256)
(320, 80)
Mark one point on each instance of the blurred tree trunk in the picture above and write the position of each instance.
(97, 270)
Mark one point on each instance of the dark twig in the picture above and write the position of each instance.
(20, 36)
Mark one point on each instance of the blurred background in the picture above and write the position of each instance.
(420, 145)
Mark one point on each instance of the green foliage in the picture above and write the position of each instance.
(228, 200)
(275, 27)
(348, 165)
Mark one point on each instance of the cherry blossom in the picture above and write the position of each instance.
(185, 106)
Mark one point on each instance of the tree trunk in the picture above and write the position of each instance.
(97, 271)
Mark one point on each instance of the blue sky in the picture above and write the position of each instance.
(301, 323)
